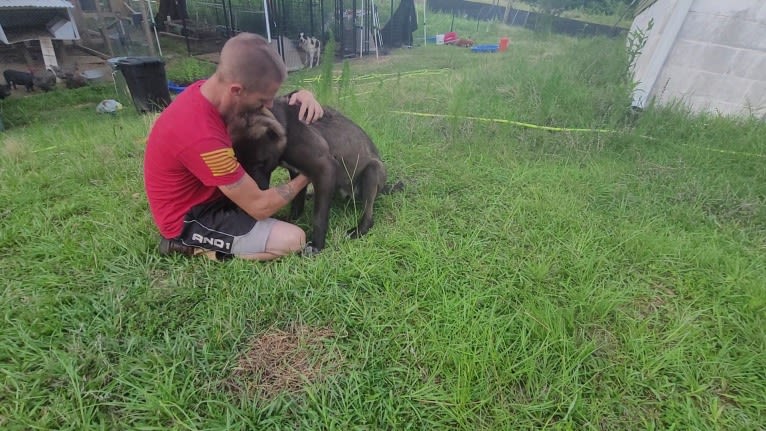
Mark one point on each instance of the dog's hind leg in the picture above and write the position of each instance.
(371, 181)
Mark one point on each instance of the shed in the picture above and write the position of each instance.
(43, 20)
(22, 20)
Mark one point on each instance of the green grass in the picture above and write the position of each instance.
(523, 280)
(579, 14)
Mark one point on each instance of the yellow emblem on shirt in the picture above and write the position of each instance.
(220, 162)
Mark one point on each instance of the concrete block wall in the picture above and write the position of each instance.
(717, 62)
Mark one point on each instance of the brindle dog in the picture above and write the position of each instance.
(333, 152)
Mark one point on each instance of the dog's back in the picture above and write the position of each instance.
(17, 77)
(46, 81)
(345, 141)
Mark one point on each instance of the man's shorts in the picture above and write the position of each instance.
(223, 227)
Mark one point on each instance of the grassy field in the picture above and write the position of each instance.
(621, 19)
(524, 279)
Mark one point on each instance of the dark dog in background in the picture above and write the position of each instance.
(5, 91)
(312, 47)
(335, 153)
(71, 77)
(46, 81)
(17, 77)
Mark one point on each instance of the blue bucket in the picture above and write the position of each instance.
(175, 88)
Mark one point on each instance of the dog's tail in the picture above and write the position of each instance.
(392, 188)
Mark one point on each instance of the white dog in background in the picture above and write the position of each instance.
(312, 47)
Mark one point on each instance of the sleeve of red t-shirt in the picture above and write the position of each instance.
(212, 161)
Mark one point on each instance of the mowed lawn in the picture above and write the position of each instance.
(524, 279)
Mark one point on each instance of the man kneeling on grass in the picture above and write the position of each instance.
(200, 198)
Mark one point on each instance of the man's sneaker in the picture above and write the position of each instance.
(171, 246)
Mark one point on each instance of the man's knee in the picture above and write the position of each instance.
(286, 238)
(298, 239)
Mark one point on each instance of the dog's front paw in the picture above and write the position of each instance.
(309, 251)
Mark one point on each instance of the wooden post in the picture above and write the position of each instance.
(147, 30)
(102, 28)
(79, 19)
(49, 53)
(507, 12)
(24, 50)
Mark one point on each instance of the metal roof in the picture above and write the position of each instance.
(46, 4)
(22, 20)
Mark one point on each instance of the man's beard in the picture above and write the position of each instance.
(242, 113)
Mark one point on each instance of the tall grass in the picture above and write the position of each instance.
(524, 279)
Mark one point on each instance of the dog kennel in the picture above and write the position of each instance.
(355, 25)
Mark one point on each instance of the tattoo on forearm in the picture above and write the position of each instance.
(285, 191)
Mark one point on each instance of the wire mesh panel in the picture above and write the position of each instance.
(117, 29)
(292, 17)
(288, 19)
(355, 25)
(205, 25)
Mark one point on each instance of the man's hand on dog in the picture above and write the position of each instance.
(310, 110)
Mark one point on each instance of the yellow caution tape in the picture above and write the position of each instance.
(738, 153)
(502, 121)
(562, 129)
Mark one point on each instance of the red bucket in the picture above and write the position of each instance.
(503, 44)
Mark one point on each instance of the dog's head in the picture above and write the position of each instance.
(259, 142)
(307, 42)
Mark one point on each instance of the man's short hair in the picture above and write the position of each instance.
(248, 59)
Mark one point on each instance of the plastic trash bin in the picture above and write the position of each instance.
(146, 81)
(120, 86)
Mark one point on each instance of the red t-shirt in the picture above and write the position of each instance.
(188, 155)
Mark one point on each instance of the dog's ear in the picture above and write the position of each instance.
(264, 125)
(237, 128)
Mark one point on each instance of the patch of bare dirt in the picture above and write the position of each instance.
(13, 148)
(285, 361)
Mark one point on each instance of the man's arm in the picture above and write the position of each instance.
(310, 110)
(262, 204)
